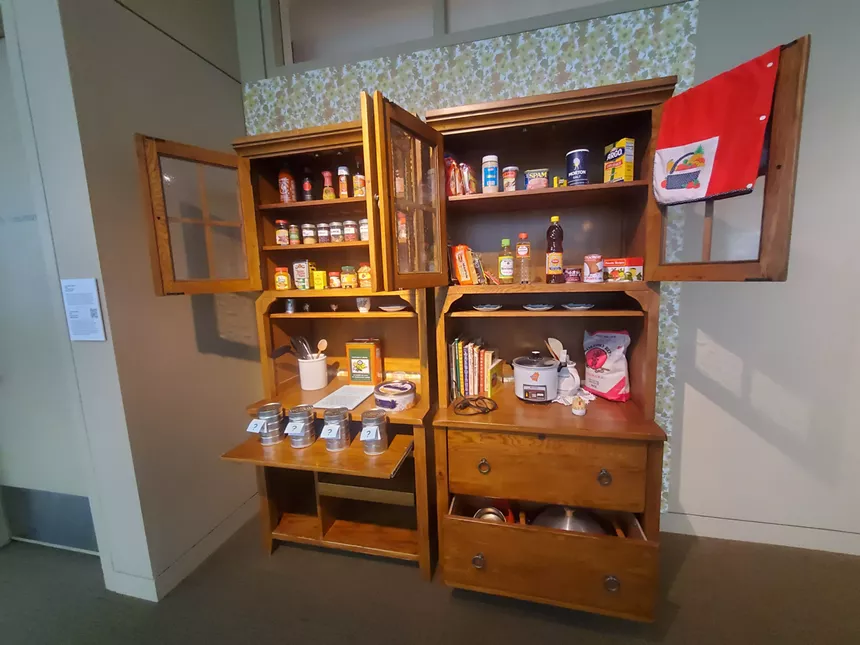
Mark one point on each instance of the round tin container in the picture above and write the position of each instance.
(490, 514)
(304, 416)
(577, 167)
(536, 178)
(395, 396)
(375, 417)
(573, 274)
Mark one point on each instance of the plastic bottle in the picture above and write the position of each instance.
(523, 268)
(554, 252)
(506, 263)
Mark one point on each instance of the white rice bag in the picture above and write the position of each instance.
(606, 365)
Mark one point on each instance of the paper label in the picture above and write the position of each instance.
(294, 429)
(256, 426)
(329, 431)
(83, 310)
(370, 433)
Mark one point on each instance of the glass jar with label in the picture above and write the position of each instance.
(282, 232)
(282, 279)
(348, 277)
(309, 234)
(336, 429)
(323, 234)
(364, 275)
(334, 279)
(300, 426)
(374, 431)
(363, 230)
(336, 231)
(350, 231)
(295, 234)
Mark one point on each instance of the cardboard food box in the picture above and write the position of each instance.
(364, 357)
(623, 269)
(302, 272)
(618, 161)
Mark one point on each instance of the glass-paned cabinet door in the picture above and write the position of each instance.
(411, 204)
(201, 215)
(744, 237)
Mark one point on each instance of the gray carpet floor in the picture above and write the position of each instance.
(714, 591)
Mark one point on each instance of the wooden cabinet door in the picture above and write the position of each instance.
(201, 219)
(745, 237)
(410, 175)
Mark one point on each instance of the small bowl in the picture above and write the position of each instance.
(392, 308)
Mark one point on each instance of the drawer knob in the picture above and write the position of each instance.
(611, 584)
(604, 477)
(478, 561)
(484, 466)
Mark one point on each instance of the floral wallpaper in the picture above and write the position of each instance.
(625, 47)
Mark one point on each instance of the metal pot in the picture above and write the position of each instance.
(536, 378)
(490, 514)
(567, 518)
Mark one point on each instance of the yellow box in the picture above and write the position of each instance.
(319, 279)
(618, 161)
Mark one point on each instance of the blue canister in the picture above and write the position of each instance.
(490, 174)
(577, 167)
(290, 307)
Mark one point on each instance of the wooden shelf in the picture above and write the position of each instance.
(294, 527)
(565, 197)
(318, 204)
(346, 314)
(292, 395)
(351, 461)
(335, 293)
(541, 287)
(373, 539)
(604, 419)
(312, 247)
(552, 313)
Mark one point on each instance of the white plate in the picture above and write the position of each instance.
(571, 306)
(486, 307)
(538, 307)
(393, 308)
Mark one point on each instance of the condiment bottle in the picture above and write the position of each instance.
(490, 174)
(286, 186)
(282, 233)
(328, 189)
(554, 252)
(342, 181)
(365, 275)
(359, 187)
(506, 263)
(307, 187)
(282, 279)
(523, 269)
(348, 277)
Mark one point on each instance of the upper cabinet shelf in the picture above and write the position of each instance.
(542, 287)
(353, 203)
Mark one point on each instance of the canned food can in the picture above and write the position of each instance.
(577, 167)
(290, 307)
(536, 178)
(592, 268)
(509, 178)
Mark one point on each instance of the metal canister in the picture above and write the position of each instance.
(374, 431)
(336, 417)
(490, 514)
(300, 426)
(273, 415)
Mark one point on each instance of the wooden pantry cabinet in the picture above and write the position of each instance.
(211, 218)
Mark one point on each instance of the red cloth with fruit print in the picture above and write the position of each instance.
(711, 136)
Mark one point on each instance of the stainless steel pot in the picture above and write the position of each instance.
(567, 518)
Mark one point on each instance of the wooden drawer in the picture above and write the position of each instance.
(572, 471)
(613, 575)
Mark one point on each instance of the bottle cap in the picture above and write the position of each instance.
(506, 241)
(282, 269)
(523, 236)
(554, 218)
(280, 221)
(490, 158)
(342, 170)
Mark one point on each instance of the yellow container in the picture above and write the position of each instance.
(618, 161)
(320, 279)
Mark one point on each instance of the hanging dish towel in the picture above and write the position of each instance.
(711, 136)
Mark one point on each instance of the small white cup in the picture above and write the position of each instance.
(363, 304)
(313, 373)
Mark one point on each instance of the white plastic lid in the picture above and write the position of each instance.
(577, 150)
(490, 158)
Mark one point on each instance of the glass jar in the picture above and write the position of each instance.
(348, 277)
(363, 230)
(282, 279)
(374, 431)
(334, 279)
(323, 234)
(350, 231)
(282, 232)
(309, 234)
(300, 426)
(336, 422)
(364, 275)
(295, 235)
(336, 230)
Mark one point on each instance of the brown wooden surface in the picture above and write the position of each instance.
(351, 204)
(148, 214)
(576, 104)
(366, 494)
(313, 247)
(642, 363)
(295, 527)
(542, 198)
(422, 502)
(335, 293)
(542, 287)
(346, 314)
(547, 469)
(603, 420)
(268, 509)
(351, 461)
(653, 491)
(557, 567)
(264, 338)
(372, 183)
(325, 137)
(373, 539)
(552, 313)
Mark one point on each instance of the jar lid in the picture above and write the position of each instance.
(336, 224)
(507, 168)
(577, 150)
(308, 225)
(342, 170)
(554, 218)
(282, 268)
(347, 268)
(539, 362)
(270, 410)
(523, 236)
(334, 272)
(301, 412)
(336, 414)
(373, 417)
(322, 225)
(362, 221)
(490, 158)
(363, 264)
(506, 241)
(349, 221)
(281, 221)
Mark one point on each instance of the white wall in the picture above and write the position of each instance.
(766, 443)
(472, 14)
(37, 379)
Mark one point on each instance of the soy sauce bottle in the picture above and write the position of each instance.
(554, 252)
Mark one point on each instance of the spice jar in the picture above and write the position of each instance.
(282, 279)
(363, 230)
(300, 426)
(364, 275)
(295, 234)
(273, 415)
(374, 431)
(490, 174)
(328, 190)
(309, 234)
(336, 230)
(334, 279)
(336, 429)
(282, 232)
(348, 277)
(342, 181)
(350, 231)
(323, 235)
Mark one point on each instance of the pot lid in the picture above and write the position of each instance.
(536, 361)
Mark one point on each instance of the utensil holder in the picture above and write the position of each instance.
(313, 373)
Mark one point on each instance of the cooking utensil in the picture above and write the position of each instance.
(567, 518)
(322, 345)
(490, 514)
(536, 378)
(555, 347)
(301, 346)
(549, 347)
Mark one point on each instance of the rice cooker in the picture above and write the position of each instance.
(536, 378)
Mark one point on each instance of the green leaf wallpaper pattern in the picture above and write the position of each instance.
(632, 46)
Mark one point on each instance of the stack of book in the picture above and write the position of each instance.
(475, 369)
